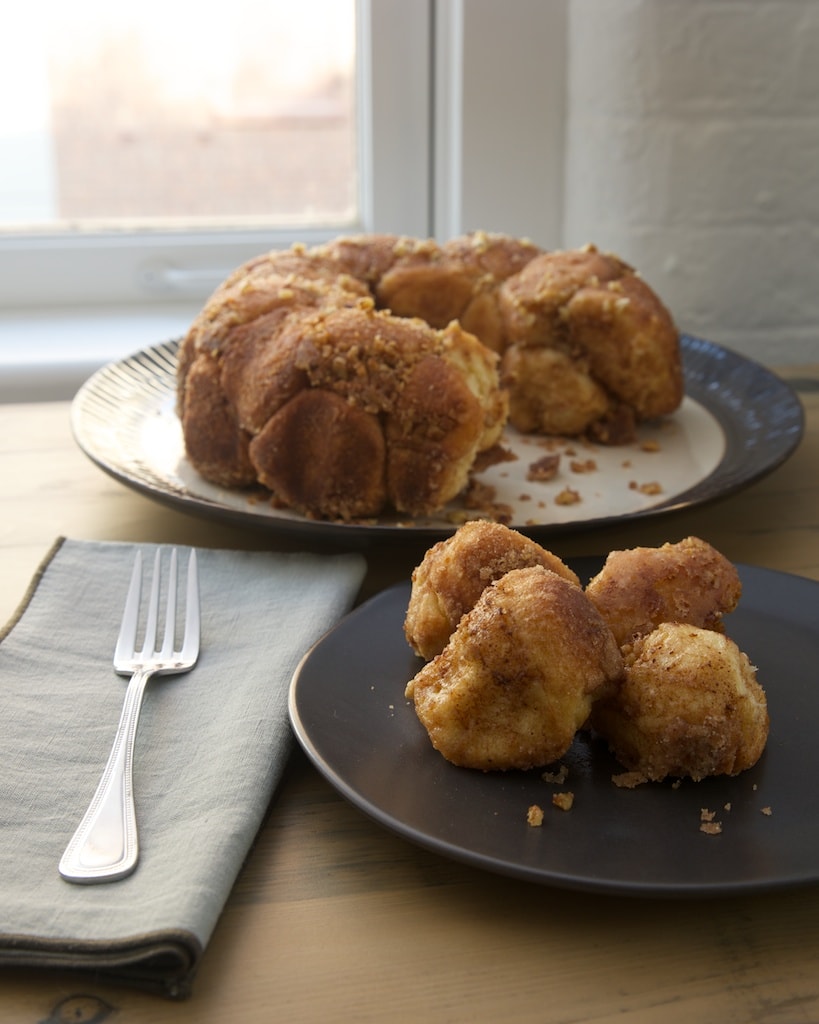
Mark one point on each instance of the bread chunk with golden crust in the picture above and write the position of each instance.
(518, 676)
(455, 281)
(639, 588)
(608, 326)
(320, 452)
(216, 443)
(689, 706)
(453, 574)
(549, 387)
(365, 257)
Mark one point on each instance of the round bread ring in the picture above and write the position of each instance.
(564, 343)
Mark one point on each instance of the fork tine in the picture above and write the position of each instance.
(153, 611)
(126, 641)
(190, 644)
(170, 611)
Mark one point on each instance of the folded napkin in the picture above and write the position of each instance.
(210, 750)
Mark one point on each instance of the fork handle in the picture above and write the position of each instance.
(105, 846)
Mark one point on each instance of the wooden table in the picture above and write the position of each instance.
(335, 919)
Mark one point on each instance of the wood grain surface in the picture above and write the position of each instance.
(335, 919)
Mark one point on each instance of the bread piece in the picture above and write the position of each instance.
(608, 327)
(689, 581)
(689, 706)
(519, 675)
(454, 573)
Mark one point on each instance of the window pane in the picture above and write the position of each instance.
(166, 113)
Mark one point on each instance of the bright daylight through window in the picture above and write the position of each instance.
(175, 114)
(149, 147)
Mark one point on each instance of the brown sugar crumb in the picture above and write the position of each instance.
(492, 457)
(707, 823)
(564, 801)
(558, 777)
(629, 780)
(543, 469)
(649, 488)
(568, 496)
(650, 446)
(767, 811)
(584, 466)
(534, 816)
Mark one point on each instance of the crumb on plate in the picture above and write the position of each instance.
(629, 780)
(564, 801)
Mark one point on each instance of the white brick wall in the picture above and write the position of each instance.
(692, 150)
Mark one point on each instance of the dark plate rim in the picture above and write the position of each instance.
(760, 415)
(764, 580)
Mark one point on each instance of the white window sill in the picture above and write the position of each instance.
(45, 355)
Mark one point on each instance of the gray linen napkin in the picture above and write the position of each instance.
(210, 750)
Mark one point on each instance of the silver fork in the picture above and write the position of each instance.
(105, 846)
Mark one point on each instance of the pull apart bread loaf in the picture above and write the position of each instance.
(366, 375)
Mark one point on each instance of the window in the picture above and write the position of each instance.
(208, 122)
(450, 121)
(141, 165)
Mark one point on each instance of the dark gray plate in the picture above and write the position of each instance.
(739, 421)
(349, 713)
